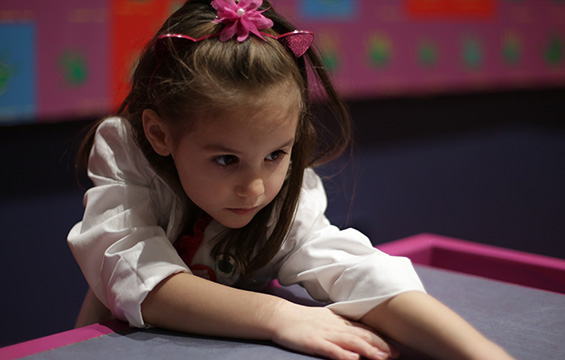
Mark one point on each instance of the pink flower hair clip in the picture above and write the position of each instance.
(240, 17)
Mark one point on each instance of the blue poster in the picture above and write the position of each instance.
(17, 72)
(329, 9)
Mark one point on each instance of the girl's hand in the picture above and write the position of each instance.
(419, 321)
(319, 331)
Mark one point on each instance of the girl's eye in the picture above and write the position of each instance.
(225, 160)
(275, 155)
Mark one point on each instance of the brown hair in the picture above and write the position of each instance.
(181, 80)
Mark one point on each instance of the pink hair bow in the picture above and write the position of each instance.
(240, 17)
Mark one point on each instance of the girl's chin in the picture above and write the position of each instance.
(235, 219)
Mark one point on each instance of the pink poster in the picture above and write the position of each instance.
(390, 47)
(73, 58)
(64, 59)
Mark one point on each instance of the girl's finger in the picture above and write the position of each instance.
(333, 351)
(372, 338)
(362, 347)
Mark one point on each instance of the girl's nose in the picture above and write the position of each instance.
(251, 188)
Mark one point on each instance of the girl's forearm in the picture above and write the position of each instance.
(418, 320)
(187, 303)
(184, 302)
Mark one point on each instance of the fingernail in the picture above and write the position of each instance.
(382, 355)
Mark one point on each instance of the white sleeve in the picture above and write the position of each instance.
(119, 245)
(340, 266)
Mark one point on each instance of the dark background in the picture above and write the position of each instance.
(487, 167)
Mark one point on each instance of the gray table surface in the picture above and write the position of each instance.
(528, 323)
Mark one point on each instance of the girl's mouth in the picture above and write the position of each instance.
(243, 211)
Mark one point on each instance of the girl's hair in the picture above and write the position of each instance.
(182, 80)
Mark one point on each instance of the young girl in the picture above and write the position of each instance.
(204, 190)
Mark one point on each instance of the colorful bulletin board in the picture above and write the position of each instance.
(62, 60)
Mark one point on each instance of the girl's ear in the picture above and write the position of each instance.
(156, 132)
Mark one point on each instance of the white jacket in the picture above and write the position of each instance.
(124, 244)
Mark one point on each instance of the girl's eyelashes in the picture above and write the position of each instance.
(275, 155)
(225, 160)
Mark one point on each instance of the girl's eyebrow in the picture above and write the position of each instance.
(224, 149)
(218, 148)
(290, 142)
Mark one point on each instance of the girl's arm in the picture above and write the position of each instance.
(423, 323)
(187, 303)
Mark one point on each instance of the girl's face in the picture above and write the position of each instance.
(233, 164)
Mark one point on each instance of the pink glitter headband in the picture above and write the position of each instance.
(298, 41)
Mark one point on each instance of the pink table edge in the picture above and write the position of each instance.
(65, 338)
(421, 249)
